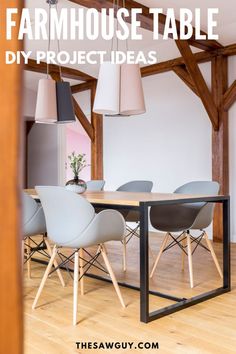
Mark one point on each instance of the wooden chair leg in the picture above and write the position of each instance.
(183, 241)
(163, 245)
(81, 270)
(28, 250)
(112, 275)
(209, 245)
(43, 281)
(190, 262)
(55, 263)
(124, 255)
(76, 280)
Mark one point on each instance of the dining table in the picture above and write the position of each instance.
(142, 202)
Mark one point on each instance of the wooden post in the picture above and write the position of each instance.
(97, 142)
(11, 323)
(220, 138)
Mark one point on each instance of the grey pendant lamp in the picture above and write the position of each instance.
(54, 99)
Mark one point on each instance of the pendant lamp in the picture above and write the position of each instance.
(54, 99)
(108, 89)
(131, 90)
(119, 88)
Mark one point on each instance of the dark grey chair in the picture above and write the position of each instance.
(132, 215)
(34, 224)
(182, 219)
(95, 185)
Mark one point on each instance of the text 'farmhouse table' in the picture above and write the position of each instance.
(142, 202)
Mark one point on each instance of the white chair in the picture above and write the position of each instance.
(95, 185)
(132, 216)
(72, 223)
(34, 224)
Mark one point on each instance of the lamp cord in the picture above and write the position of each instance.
(49, 42)
(58, 51)
(49, 37)
(113, 46)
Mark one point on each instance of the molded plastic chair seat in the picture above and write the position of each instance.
(95, 185)
(183, 218)
(138, 186)
(34, 224)
(33, 217)
(72, 223)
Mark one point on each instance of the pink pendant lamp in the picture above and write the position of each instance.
(131, 90)
(119, 89)
(54, 99)
(46, 106)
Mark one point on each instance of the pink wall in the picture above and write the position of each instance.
(77, 140)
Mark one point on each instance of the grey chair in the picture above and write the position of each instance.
(72, 223)
(138, 186)
(34, 224)
(95, 185)
(182, 219)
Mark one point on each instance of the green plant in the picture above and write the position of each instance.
(77, 163)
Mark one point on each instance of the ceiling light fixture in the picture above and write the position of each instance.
(54, 99)
(119, 88)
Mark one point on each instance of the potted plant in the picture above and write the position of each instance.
(77, 163)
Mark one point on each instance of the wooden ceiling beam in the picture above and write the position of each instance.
(66, 72)
(200, 57)
(201, 86)
(146, 20)
(229, 97)
(168, 65)
(183, 74)
(83, 87)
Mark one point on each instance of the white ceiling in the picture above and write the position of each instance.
(166, 49)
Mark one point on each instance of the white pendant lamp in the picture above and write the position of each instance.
(108, 89)
(119, 89)
(54, 100)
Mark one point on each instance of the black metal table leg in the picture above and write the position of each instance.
(144, 264)
(226, 244)
(146, 316)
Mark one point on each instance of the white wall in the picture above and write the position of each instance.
(29, 102)
(170, 144)
(43, 155)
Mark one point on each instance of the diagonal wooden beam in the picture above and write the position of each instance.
(78, 111)
(183, 74)
(66, 72)
(229, 97)
(201, 86)
(146, 19)
(83, 119)
(82, 87)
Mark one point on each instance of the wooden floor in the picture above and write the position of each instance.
(209, 327)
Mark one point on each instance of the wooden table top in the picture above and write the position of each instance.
(128, 198)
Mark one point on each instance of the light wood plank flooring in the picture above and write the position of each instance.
(209, 327)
